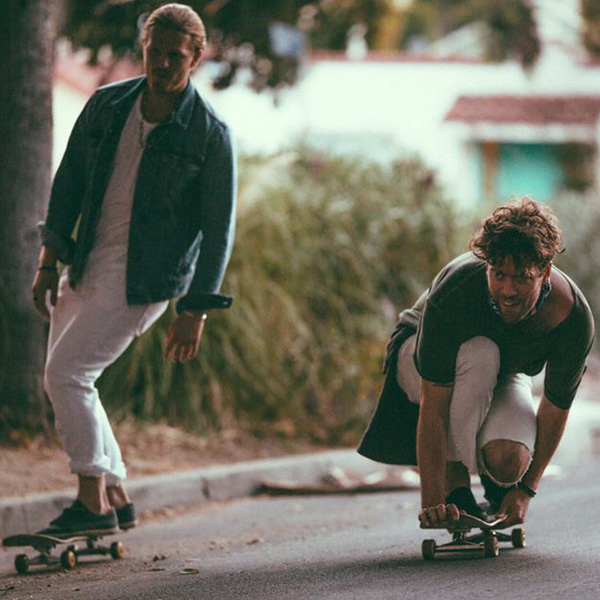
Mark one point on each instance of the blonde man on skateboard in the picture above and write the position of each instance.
(149, 176)
(457, 399)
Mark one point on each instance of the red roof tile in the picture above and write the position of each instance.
(532, 110)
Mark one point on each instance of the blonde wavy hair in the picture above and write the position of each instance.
(179, 17)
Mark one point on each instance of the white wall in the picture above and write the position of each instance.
(66, 105)
(399, 104)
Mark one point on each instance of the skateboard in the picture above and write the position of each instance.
(76, 546)
(486, 541)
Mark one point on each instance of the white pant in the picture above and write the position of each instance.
(89, 329)
(483, 408)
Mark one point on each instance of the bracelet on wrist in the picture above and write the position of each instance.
(46, 268)
(527, 489)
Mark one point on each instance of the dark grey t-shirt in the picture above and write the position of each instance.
(456, 309)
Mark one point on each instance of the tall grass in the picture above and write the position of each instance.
(327, 251)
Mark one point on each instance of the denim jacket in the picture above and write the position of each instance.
(183, 215)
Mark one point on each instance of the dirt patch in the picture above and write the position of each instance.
(42, 465)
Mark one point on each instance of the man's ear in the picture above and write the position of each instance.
(197, 58)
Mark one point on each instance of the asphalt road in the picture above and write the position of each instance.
(335, 547)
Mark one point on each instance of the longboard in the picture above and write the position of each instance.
(486, 541)
(45, 545)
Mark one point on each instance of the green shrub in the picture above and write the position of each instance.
(328, 250)
(579, 217)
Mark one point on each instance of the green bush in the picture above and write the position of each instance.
(579, 218)
(328, 250)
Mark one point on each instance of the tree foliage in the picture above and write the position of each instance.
(267, 39)
(590, 11)
(511, 25)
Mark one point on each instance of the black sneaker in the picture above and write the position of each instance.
(77, 519)
(126, 516)
(464, 499)
(493, 493)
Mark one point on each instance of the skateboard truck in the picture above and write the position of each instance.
(486, 541)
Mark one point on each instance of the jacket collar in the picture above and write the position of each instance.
(182, 114)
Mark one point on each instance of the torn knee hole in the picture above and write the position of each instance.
(506, 463)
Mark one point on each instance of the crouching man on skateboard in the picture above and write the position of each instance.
(457, 398)
(148, 177)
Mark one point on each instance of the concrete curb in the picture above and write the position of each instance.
(188, 488)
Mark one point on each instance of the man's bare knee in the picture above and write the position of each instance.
(506, 460)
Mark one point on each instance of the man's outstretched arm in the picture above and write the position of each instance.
(431, 453)
(551, 423)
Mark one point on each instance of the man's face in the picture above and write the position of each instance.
(515, 291)
(169, 59)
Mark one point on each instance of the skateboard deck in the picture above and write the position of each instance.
(76, 546)
(485, 541)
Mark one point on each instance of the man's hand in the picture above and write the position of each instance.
(514, 507)
(45, 279)
(439, 516)
(183, 337)
(551, 422)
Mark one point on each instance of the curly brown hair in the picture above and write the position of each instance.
(525, 230)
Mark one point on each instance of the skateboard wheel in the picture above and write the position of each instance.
(490, 546)
(428, 548)
(518, 537)
(22, 563)
(116, 550)
(68, 559)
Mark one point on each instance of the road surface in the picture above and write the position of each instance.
(335, 548)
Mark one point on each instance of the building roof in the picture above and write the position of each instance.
(529, 110)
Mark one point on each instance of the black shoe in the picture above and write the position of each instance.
(493, 493)
(464, 499)
(77, 519)
(126, 516)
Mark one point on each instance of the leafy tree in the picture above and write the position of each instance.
(266, 37)
(513, 30)
(510, 22)
(25, 163)
(590, 10)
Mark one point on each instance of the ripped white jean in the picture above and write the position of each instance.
(89, 329)
(484, 407)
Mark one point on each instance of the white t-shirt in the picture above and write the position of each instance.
(107, 261)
